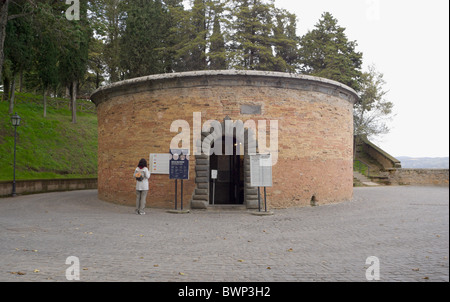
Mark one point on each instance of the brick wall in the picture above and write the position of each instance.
(315, 131)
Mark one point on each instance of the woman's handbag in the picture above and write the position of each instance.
(139, 176)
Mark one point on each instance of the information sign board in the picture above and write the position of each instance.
(179, 164)
(159, 163)
(261, 170)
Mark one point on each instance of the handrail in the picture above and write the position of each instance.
(360, 166)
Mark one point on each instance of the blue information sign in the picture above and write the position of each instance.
(179, 164)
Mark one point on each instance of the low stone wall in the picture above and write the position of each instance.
(48, 185)
(436, 177)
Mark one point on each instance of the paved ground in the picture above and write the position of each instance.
(407, 228)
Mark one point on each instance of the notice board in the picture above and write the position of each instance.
(261, 170)
(159, 163)
(179, 164)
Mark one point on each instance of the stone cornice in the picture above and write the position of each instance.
(225, 78)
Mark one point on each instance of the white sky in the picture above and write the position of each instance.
(408, 41)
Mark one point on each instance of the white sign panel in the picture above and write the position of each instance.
(261, 170)
(159, 163)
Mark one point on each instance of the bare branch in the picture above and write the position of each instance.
(18, 16)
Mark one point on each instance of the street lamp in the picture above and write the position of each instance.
(15, 120)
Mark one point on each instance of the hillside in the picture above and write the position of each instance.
(424, 162)
(49, 147)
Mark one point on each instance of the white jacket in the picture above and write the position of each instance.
(142, 185)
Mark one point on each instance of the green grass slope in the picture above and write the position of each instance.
(48, 148)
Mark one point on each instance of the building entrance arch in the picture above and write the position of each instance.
(233, 184)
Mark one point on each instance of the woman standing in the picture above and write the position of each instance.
(142, 175)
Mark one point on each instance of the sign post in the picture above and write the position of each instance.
(265, 198)
(179, 170)
(214, 174)
(176, 194)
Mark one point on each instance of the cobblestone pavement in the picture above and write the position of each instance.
(407, 228)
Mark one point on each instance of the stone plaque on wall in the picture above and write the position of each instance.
(251, 109)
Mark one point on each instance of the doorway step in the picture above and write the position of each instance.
(225, 208)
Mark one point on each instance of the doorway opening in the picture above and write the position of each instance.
(232, 186)
(228, 188)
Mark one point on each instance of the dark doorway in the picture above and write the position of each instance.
(229, 186)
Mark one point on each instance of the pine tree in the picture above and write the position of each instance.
(107, 19)
(286, 42)
(73, 60)
(198, 36)
(251, 27)
(4, 15)
(142, 46)
(18, 50)
(263, 37)
(217, 54)
(46, 55)
(175, 33)
(192, 32)
(326, 52)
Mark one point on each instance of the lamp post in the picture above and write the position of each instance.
(15, 120)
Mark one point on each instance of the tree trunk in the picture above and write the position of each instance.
(3, 20)
(13, 94)
(45, 101)
(74, 102)
(21, 81)
(68, 92)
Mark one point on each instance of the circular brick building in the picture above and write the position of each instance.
(313, 118)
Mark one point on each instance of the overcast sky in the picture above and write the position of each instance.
(408, 41)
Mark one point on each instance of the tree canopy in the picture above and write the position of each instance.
(373, 112)
(326, 52)
(120, 39)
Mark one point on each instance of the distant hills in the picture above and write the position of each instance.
(424, 162)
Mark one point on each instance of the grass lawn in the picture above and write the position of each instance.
(48, 148)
